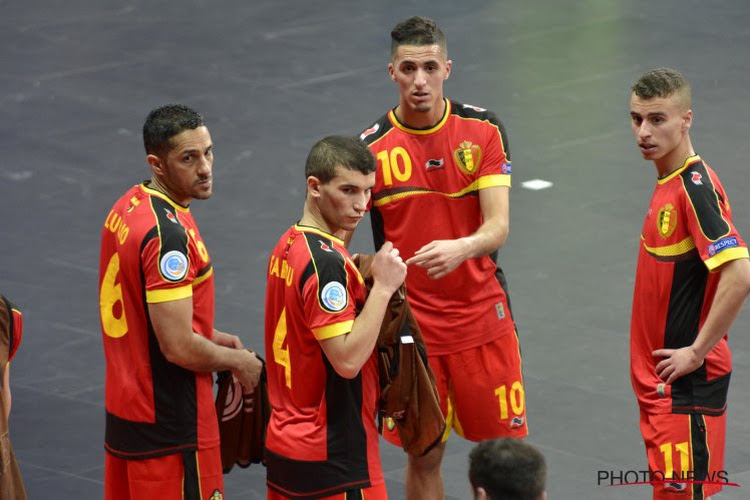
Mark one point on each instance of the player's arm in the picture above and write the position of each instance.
(227, 340)
(348, 353)
(441, 257)
(733, 289)
(173, 326)
(6, 390)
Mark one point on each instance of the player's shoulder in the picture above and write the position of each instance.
(377, 129)
(472, 111)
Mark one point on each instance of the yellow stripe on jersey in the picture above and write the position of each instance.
(725, 256)
(674, 250)
(502, 180)
(169, 294)
(481, 183)
(334, 330)
(201, 279)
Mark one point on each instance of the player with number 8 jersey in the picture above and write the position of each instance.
(151, 251)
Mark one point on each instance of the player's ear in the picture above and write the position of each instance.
(687, 118)
(391, 71)
(157, 166)
(480, 494)
(448, 66)
(313, 186)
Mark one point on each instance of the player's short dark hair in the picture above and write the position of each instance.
(165, 122)
(508, 469)
(663, 82)
(333, 151)
(417, 31)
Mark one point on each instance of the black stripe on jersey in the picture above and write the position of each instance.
(377, 130)
(173, 234)
(705, 200)
(346, 467)
(700, 451)
(689, 280)
(692, 392)
(475, 113)
(329, 264)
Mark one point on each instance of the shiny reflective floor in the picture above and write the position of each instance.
(271, 78)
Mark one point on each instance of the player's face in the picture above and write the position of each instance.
(419, 72)
(343, 201)
(187, 168)
(660, 125)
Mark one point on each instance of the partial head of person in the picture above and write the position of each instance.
(507, 469)
(180, 153)
(419, 66)
(661, 117)
(340, 173)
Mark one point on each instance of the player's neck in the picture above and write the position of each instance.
(420, 120)
(675, 159)
(156, 185)
(312, 217)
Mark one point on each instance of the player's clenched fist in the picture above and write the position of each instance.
(388, 269)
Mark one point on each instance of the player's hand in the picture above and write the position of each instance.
(676, 363)
(227, 340)
(440, 257)
(249, 370)
(388, 269)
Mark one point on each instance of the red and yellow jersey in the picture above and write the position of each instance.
(322, 436)
(687, 235)
(11, 331)
(151, 252)
(427, 188)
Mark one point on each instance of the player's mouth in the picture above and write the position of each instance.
(646, 147)
(204, 182)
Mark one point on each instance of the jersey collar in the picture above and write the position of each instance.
(401, 126)
(310, 229)
(688, 161)
(153, 192)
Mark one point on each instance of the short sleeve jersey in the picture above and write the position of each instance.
(687, 235)
(322, 436)
(152, 252)
(427, 188)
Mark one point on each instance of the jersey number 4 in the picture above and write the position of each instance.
(280, 354)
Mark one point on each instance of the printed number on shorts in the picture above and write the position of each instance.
(111, 305)
(395, 163)
(515, 399)
(683, 449)
(280, 354)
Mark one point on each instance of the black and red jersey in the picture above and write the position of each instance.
(151, 252)
(687, 235)
(321, 438)
(427, 188)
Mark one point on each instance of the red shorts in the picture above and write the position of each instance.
(481, 392)
(180, 476)
(685, 448)
(377, 492)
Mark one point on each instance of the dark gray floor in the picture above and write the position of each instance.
(271, 77)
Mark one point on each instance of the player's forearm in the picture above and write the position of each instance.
(199, 354)
(733, 289)
(490, 236)
(350, 352)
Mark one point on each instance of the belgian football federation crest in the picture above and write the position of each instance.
(468, 156)
(666, 220)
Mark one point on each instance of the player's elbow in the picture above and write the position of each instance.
(347, 369)
(742, 278)
(174, 352)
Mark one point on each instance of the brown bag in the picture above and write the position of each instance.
(243, 419)
(408, 394)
